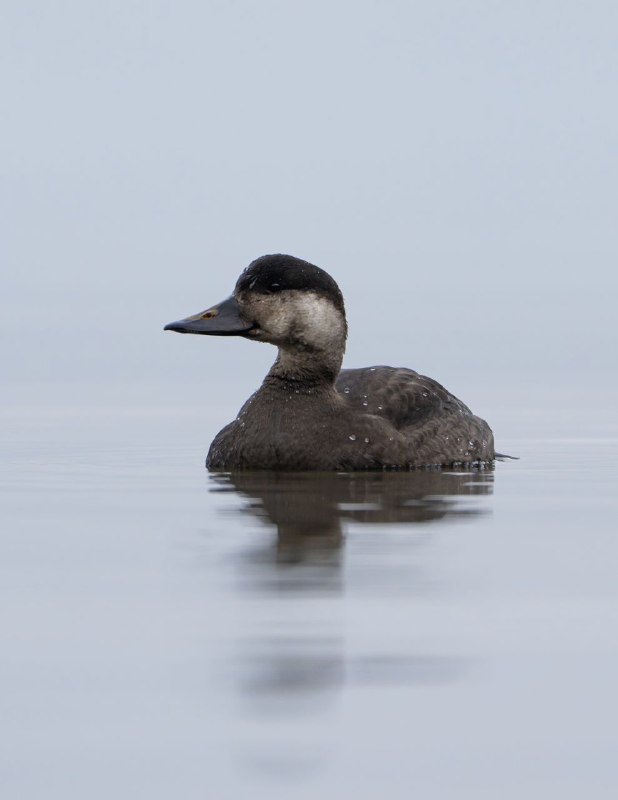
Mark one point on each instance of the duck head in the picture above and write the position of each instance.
(278, 299)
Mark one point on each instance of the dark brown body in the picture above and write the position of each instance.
(374, 418)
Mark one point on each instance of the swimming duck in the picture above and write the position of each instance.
(309, 414)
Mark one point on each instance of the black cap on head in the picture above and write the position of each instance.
(276, 273)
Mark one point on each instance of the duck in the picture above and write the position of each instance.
(309, 414)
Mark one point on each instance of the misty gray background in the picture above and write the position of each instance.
(453, 165)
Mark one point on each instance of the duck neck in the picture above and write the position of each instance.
(314, 369)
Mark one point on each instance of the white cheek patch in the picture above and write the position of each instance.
(306, 318)
(319, 323)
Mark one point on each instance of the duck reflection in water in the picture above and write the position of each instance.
(308, 509)
(297, 648)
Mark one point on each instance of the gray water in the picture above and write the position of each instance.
(167, 633)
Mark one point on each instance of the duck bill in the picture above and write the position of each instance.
(224, 319)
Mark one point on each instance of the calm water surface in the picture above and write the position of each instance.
(167, 633)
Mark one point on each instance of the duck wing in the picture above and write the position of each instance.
(438, 427)
(400, 395)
